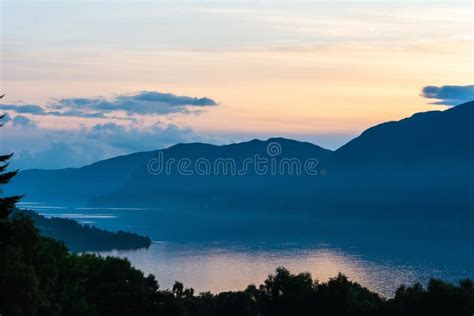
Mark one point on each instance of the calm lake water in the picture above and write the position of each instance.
(216, 252)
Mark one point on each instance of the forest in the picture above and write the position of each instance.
(85, 237)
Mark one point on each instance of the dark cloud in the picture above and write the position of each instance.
(40, 111)
(24, 109)
(449, 95)
(144, 102)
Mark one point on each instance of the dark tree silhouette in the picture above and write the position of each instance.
(6, 203)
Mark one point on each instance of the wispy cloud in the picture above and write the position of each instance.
(449, 95)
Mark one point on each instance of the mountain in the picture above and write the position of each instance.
(81, 185)
(230, 182)
(421, 164)
(418, 165)
(435, 137)
(76, 185)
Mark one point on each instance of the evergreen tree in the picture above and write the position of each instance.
(6, 203)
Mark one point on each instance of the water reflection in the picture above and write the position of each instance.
(219, 267)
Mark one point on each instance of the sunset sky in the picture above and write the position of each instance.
(114, 77)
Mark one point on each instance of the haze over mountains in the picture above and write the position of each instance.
(419, 165)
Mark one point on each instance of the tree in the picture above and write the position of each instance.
(6, 203)
(284, 293)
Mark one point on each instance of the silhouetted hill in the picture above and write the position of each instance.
(77, 184)
(130, 173)
(435, 137)
(79, 237)
(225, 186)
(418, 165)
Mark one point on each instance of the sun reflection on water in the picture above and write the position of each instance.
(225, 267)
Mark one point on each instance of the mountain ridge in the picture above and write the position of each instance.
(420, 162)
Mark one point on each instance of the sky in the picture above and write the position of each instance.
(88, 80)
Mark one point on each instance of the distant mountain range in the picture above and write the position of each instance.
(419, 165)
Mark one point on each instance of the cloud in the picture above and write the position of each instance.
(138, 138)
(449, 95)
(23, 121)
(52, 148)
(36, 146)
(19, 120)
(40, 111)
(55, 155)
(24, 109)
(142, 103)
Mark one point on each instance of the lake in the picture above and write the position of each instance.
(212, 251)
